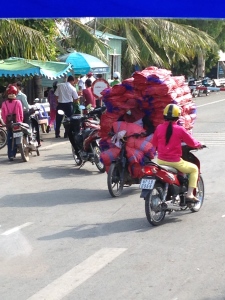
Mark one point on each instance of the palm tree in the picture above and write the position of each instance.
(148, 41)
(22, 41)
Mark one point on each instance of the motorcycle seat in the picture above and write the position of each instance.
(170, 169)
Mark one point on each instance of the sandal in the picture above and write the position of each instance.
(192, 199)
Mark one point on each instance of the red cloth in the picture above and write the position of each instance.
(172, 152)
(89, 97)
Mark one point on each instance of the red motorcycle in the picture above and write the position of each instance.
(83, 135)
(164, 189)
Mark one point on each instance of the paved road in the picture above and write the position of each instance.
(63, 237)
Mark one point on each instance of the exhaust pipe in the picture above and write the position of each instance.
(172, 206)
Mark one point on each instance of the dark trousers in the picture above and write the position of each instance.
(11, 151)
(68, 110)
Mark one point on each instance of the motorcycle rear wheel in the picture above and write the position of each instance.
(77, 160)
(153, 209)
(3, 138)
(23, 149)
(114, 180)
(98, 163)
(200, 193)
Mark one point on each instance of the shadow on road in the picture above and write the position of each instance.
(105, 229)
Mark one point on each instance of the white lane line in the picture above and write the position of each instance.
(65, 284)
(210, 103)
(53, 145)
(15, 229)
(223, 216)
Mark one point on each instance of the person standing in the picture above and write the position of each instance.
(66, 95)
(89, 98)
(116, 79)
(90, 76)
(53, 104)
(23, 98)
(12, 111)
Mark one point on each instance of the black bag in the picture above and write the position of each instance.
(10, 118)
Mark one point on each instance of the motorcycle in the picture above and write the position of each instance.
(83, 135)
(118, 174)
(164, 189)
(3, 134)
(25, 137)
(195, 86)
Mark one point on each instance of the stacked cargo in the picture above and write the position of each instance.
(143, 97)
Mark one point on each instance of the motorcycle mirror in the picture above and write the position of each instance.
(60, 112)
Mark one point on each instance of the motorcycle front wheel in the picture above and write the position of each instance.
(153, 206)
(77, 159)
(24, 150)
(200, 193)
(98, 163)
(3, 138)
(115, 181)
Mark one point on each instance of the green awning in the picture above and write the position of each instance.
(15, 66)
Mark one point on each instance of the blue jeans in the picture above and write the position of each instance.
(11, 152)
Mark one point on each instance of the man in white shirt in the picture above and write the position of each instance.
(66, 95)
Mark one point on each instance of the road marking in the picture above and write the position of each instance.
(15, 229)
(210, 103)
(53, 145)
(223, 216)
(66, 283)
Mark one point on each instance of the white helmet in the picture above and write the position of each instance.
(116, 75)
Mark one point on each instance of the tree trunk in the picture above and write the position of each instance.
(201, 65)
(38, 90)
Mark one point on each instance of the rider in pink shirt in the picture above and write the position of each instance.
(11, 106)
(167, 139)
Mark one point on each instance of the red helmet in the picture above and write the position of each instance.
(89, 74)
(12, 90)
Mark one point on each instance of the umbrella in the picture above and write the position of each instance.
(14, 66)
(83, 63)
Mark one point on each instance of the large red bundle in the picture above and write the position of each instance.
(151, 76)
(136, 170)
(108, 156)
(160, 89)
(186, 89)
(180, 80)
(130, 128)
(107, 119)
(183, 99)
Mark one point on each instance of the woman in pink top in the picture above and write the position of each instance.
(11, 106)
(167, 139)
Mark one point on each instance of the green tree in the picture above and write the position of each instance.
(203, 62)
(20, 40)
(148, 41)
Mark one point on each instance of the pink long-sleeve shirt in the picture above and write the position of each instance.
(12, 107)
(172, 152)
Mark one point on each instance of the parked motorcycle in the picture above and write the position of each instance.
(164, 189)
(25, 137)
(196, 85)
(3, 136)
(83, 135)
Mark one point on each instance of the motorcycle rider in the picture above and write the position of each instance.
(167, 139)
(13, 108)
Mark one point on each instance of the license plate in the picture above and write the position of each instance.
(17, 134)
(147, 184)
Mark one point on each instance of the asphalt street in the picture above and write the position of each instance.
(62, 236)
